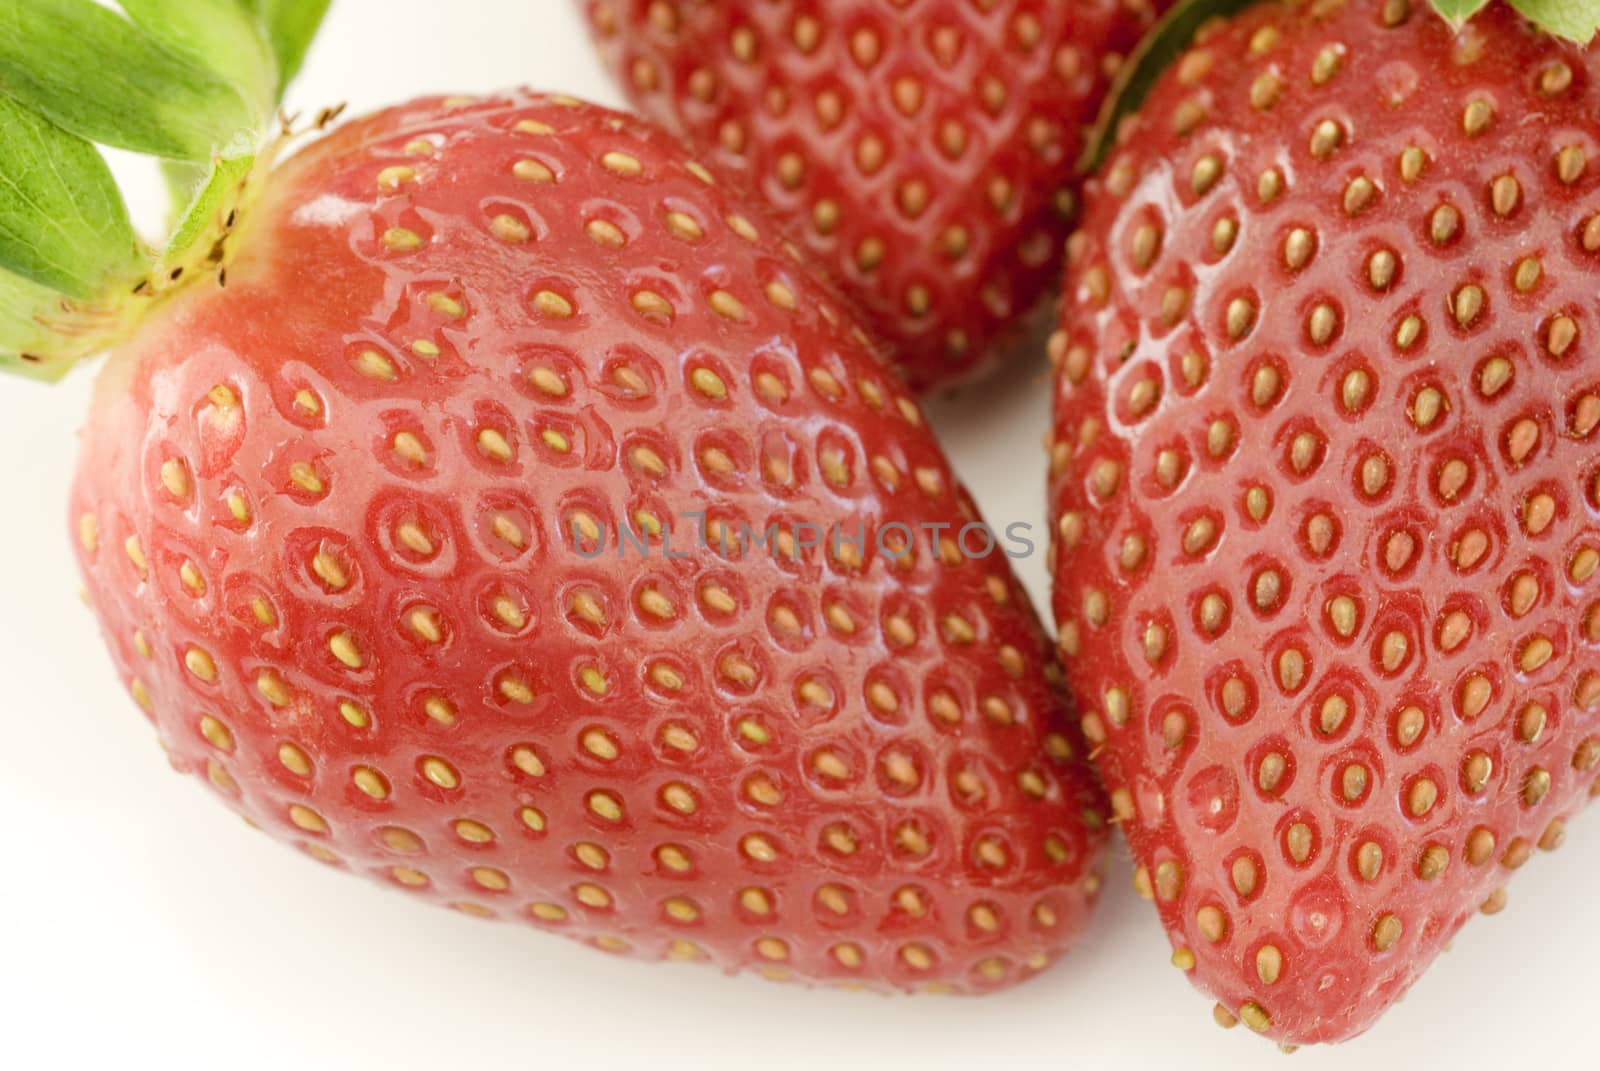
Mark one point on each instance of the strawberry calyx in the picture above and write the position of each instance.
(1577, 21)
(192, 83)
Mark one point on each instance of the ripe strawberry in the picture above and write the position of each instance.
(1326, 484)
(923, 150)
(350, 525)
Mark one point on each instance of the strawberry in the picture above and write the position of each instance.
(1325, 479)
(494, 509)
(923, 150)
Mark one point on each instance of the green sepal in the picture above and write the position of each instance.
(291, 26)
(1457, 12)
(221, 37)
(62, 221)
(94, 73)
(1576, 20)
(25, 331)
(193, 83)
(205, 220)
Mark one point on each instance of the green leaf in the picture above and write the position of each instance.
(291, 24)
(97, 75)
(1458, 12)
(62, 221)
(1576, 20)
(222, 36)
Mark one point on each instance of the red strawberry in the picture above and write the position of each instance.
(922, 149)
(1326, 483)
(350, 523)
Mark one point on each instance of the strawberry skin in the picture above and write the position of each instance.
(1325, 481)
(923, 151)
(338, 520)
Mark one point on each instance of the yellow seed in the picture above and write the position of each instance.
(216, 734)
(525, 759)
(1571, 162)
(621, 163)
(412, 537)
(200, 663)
(425, 623)
(680, 799)
(490, 878)
(708, 383)
(1241, 317)
(439, 710)
(1421, 798)
(440, 772)
(401, 240)
(189, 574)
(271, 686)
(1476, 117)
(604, 232)
(549, 303)
(175, 478)
(605, 805)
(1535, 653)
(1444, 224)
(294, 760)
(135, 551)
(591, 895)
(515, 690)
(89, 533)
(392, 178)
(1327, 136)
(329, 569)
(370, 782)
(1254, 1016)
(685, 226)
(532, 172)
(493, 445)
(726, 305)
(343, 646)
(307, 819)
(1168, 880)
(1298, 841)
(600, 745)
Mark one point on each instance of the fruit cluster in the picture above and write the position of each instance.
(380, 503)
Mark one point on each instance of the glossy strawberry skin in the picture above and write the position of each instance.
(922, 151)
(1324, 472)
(327, 512)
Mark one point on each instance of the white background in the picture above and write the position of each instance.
(140, 922)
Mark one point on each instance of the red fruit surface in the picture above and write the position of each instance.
(1325, 475)
(923, 150)
(326, 515)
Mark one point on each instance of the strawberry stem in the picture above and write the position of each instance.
(194, 83)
